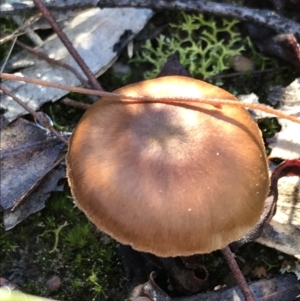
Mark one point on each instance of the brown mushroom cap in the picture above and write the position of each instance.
(169, 179)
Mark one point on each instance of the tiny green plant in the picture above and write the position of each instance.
(97, 288)
(6, 245)
(56, 233)
(79, 236)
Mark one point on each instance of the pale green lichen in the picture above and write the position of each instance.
(204, 46)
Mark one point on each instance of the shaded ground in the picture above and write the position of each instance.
(86, 261)
(59, 241)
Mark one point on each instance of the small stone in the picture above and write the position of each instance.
(241, 63)
(121, 69)
(53, 284)
(9, 285)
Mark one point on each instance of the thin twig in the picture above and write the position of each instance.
(8, 54)
(241, 281)
(35, 38)
(34, 114)
(57, 86)
(76, 104)
(65, 40)
(20, 31)
(167, 100)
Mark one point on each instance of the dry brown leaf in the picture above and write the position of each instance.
(27, 155)
(260, 272)
(35, 201)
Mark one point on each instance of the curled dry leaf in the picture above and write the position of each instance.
(27, 156)
(279, 43)
(283, 233)
(284, 46)
(286, 144)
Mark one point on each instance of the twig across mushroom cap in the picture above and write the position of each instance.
(169, 179)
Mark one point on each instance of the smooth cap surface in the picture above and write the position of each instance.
(169, 179)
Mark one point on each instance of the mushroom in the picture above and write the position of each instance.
(169, 179)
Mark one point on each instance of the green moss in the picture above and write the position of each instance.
(79, 236)
(5, 244)
(7, 27)
(204, 46)
(61, 241)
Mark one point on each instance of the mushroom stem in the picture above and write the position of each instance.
(241, 281)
